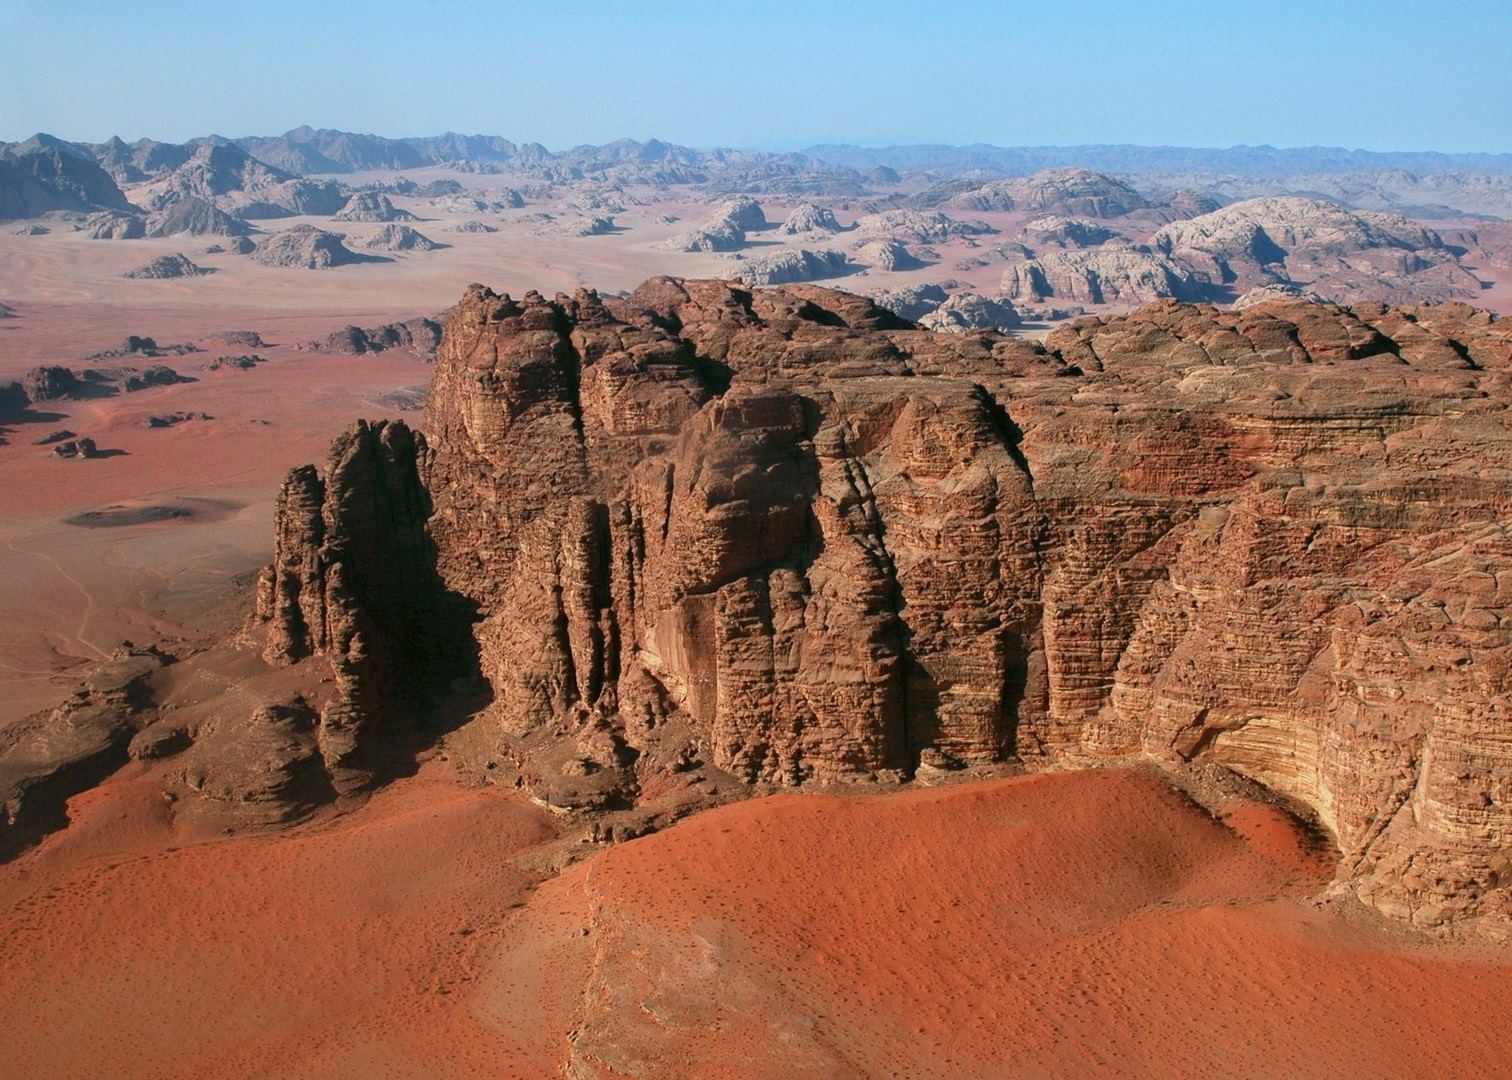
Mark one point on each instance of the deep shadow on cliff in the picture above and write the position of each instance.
(355, 579)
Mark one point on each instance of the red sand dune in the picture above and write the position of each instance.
(1070, 924)
(1065, 924)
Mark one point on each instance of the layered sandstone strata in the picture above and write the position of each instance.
(833, 546)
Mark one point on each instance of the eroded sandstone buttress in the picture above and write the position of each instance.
(786, 533)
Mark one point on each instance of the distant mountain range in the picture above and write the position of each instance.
(1260, 162)
(266, 176)
(311, 150)
(307, 150)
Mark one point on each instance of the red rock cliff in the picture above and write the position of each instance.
(784, 532)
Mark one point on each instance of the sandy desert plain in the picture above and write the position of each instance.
(1078, 922)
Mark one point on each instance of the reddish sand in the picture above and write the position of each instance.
(1056, 925)
(328, 952)
(1060, 925)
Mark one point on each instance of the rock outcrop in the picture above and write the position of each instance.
(81, 449)
(965, 312)
(353, 579)
(50, 382)
(584, 225)
(786, 267)
(265, 768)
(168, 266)
(1103, 276)
(1184, 203)
(1263, 231)
(135, 345)
(145, 159)
(306, 247)
(1068, 231)
(807, 217)
(1334, 251)
(1068, 192)
(197, 217)
(1264, 294)
(913, 302)
(244, 339)
(115, 225)
(53, 382)
(783, 535)
(400, 238)
(885, 255)
(245, 362)
(45, 174)
(508, 199)
(920, 226)
(724, 229)
(47, 758)
(741, 212)
(420, 334)
(156, 375)
(225, 175)
(372, 206)
(708, 238)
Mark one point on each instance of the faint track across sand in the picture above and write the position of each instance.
(78, 635)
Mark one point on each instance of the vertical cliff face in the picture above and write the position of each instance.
(783, 533)
(353, 579)
(1330, 616)
(812, 573)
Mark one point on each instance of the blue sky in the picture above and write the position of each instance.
(1385, 75)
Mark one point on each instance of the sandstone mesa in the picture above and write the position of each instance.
(705, 538)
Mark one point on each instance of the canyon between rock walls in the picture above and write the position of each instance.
(654, 554)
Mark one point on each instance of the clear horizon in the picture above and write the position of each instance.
(1380, 76)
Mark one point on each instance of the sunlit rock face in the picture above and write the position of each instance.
(789, 535)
